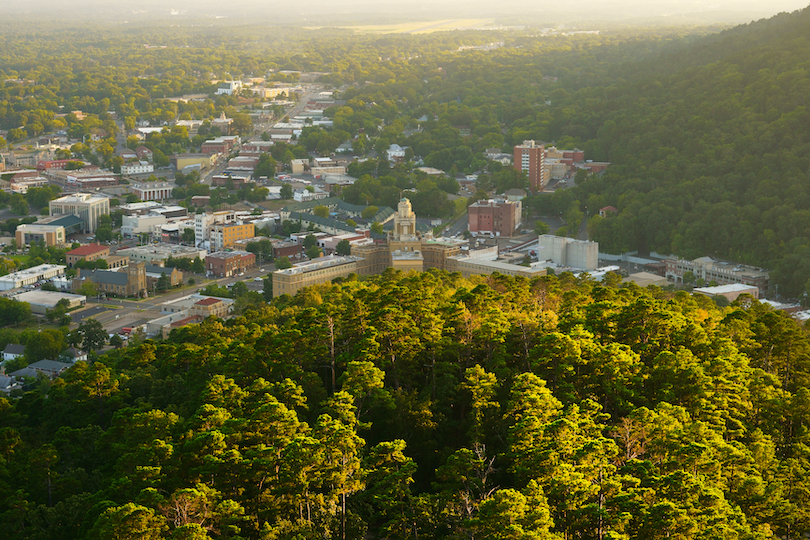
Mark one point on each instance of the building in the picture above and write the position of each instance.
(131, 282)
(153, 191)
(13, 351)
(495, 217)
(730, 291)
(229, 263)
(135, 225)
(204, 222)
(224, 235)
(308, 273)
(201, 161)
(43, 301)
(229, 88)
(52, 235)
(137, 167)
(563, 251)
(471, 265)
(529, 157)
(719, 272)
(210, 307)
(87, 206)
(31, 276)
(89, 252)
(160, 252)
(155, 272)
(143, 153)
(223, 123)
(48, 368)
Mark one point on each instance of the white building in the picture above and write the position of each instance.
(153, 191)
(87, 206)
(140, 167)
(30, 276)
(229, 88)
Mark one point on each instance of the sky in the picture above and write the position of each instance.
(531, 12)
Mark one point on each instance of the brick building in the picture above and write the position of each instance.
(497, 217)
(529, 157)
(229, 263)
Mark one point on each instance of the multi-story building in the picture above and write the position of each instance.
(153, 191)
(229, 263)
(496, 217)
(160, 252)
(308, 273)
(224, 235)
(720, 272)
(529, 157)
(52, 235)
(90, 252)
(203, 223)
(87, 206)
(137, 167)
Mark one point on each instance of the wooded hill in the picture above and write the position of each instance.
(710, 150)
(428, 406)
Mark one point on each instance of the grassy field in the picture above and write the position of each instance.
(422, 27)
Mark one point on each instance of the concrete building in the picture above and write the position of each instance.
(52, 235)
(229, 263)
(153, 191)
(495, 217)
(43, 301)
(204, 222)
(308, 273)
(30, 276)
(224, 235)
(182, 161)
(529, 157)
(563, 251)
(720, 272)
(87, 206)
(160, 252)
(89, 252)
(134, 225)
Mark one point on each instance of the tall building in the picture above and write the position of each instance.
(529, 158)
(87, 206)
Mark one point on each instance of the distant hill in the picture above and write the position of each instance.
(710, 150)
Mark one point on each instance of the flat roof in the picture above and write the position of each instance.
(47, 298)
(318, 264)
(723, 289)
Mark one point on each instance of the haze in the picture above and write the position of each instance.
(325, 12)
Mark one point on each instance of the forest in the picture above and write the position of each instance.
(428, 406)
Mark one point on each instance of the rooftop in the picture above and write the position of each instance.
(724, 289)
(208, 302)
(319, 264)
(89, 249)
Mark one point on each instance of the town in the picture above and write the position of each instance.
(151, 245)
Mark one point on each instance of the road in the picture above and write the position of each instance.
(115, 313)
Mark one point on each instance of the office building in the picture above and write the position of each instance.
(87, 206)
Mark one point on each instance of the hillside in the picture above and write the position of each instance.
(427, 406)
(710, 151)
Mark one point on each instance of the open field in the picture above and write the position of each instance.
(424, 27)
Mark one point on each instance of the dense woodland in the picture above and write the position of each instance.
(428, 406)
